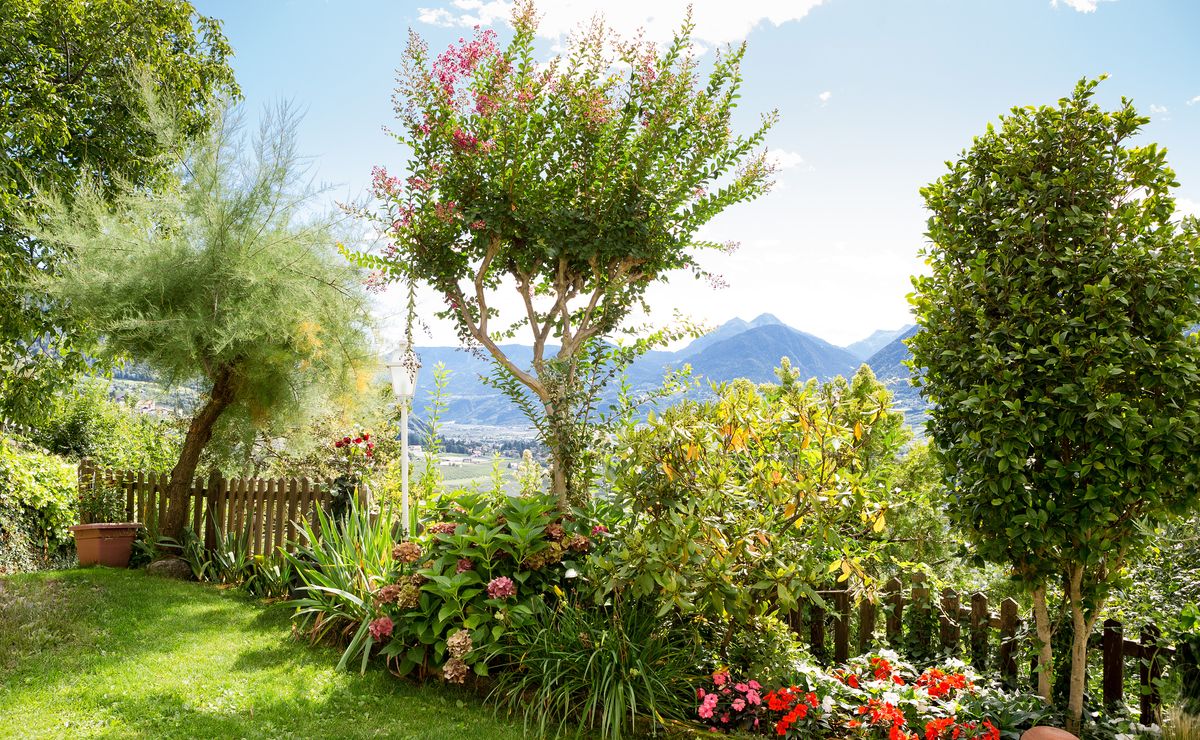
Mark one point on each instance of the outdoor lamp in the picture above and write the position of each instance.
(404, 367)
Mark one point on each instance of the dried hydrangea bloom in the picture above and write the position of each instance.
(550, 555)
(442, 527)
(418, 580)
(580, 543)
(464, 565)
(407, 552)
(388, 594)
(409, 596)
(554, 531)
(459, 644)
(455, 671)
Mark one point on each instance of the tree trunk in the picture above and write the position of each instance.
(1041, 617)
(198, 434)
(1082, 625)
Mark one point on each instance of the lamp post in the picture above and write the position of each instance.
(404, 367)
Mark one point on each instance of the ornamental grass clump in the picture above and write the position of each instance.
(619, 670)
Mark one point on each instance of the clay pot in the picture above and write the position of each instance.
(105, 544)
(1047, 733)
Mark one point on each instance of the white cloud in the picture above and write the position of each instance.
(1194, 100)
(1083, 6)
(466, 13)
(825, 96)
(717, 21)
(1158, 108)
(785, 160)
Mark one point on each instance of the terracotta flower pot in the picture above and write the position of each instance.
(105, 544)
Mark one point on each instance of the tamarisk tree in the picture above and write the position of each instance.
(570, 186)
(220, 279)
(1055, 351)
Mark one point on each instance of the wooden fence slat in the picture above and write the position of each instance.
(196, 497)
(841, 626)
(816, 631)
(1150, 671)
(292, 505)
(980, 623)
(948, 621)
(260, 495)
(894, 616)
(281, 494)
(1008, 642)
(1112, 652)
(866, 625)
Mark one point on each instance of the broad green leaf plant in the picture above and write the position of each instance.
(1054, 348)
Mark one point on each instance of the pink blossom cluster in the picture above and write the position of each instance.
(501, 588)
(460, 60)
(381, 628)
(383, 184)
(446, 211)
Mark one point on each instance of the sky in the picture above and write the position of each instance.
(874, 97)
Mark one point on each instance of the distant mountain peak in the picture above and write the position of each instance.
(766, 319)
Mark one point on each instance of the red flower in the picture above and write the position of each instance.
(852, 681)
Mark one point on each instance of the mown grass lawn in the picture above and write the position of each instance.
(115, 653)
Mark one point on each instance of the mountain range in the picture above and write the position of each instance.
(736, 349)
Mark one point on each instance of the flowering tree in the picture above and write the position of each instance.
(575, 183)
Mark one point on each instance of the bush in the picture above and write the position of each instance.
(112, 435)
(617, 670)
(766, 648)
(37, 504)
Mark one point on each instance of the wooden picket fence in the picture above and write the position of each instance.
(267, 509)
(989, 640)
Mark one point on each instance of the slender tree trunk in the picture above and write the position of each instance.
(1082, 625)
(1041, 616)
(199, 432)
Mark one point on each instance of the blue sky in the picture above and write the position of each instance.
(874, 97)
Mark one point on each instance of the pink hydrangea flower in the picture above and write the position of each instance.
(381, 628)
(501, 588)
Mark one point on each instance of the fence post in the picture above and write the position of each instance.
(1150, 673)
(949, 621)
(816, 632)
(1008, 642)
(980, 623)
(213, 496)
(866, 625)
(1112, 651)
(894, 612)
(841, 627)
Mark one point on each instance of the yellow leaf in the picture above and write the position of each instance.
(858, 430)
(804, 442)
(693, 451)
(668, 470)
(776, 477)
(879, 523)
(835, 565)
(789, 510)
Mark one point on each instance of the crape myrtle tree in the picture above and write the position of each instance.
(224, 278)
(570, 185)
(69, 71)
(1055, 350)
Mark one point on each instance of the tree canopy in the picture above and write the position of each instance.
(576, 184)
(69, 71)
(1054, 347)
(225, 277)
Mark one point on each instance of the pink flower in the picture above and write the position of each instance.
(380, 628)
(753, 698)
(464, 565)
(739, 705)
(741, 687)
(720, 677)
(599, 529)
(478, 224)
(501, 588)
(755, 685)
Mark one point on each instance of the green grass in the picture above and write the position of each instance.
(115, 653)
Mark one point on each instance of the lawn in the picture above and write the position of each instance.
(115, 653)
